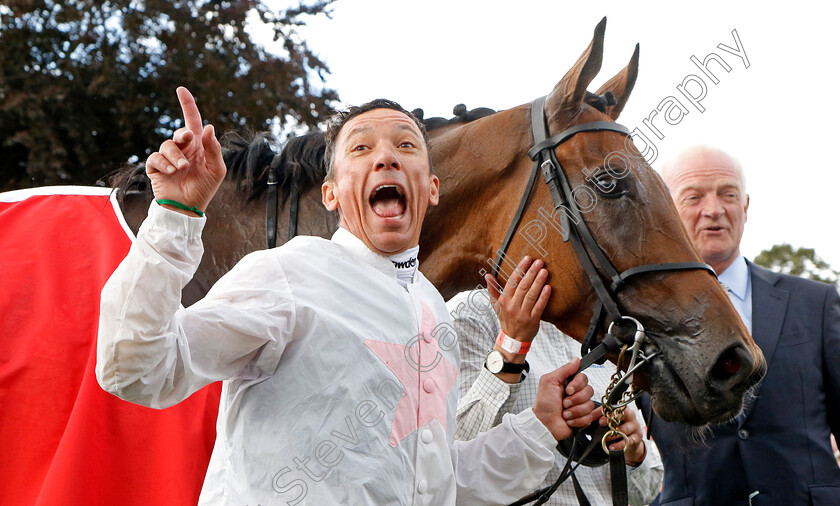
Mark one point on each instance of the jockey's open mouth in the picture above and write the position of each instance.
(388, 201)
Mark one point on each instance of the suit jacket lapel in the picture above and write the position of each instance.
(769, 305)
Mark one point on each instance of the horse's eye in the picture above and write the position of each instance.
(607, 185)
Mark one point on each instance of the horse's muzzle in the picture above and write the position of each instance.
(734, 369)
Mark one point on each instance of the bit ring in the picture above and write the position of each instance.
(611, 433)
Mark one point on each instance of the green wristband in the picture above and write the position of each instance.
(179, 205)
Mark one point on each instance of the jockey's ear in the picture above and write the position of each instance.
(328, 196)
(434, 190)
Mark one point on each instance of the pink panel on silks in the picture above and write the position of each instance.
(425, 375)
(64, 440)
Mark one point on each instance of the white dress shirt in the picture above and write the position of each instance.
(339, 384)
(485, 399)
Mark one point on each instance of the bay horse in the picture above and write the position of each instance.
(706, 360)
(703, 360)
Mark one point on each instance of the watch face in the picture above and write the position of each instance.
(495, 362)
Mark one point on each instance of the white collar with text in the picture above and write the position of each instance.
(359, 251)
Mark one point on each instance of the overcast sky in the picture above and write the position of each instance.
(778, 116)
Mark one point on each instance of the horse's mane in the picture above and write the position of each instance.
(299, 164)
(462, 115)
(250, 159)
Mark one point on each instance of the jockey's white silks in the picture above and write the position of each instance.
(341, 384)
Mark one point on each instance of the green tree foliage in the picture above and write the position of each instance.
(799, 262)
(87, 85)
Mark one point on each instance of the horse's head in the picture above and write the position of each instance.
(705, 360)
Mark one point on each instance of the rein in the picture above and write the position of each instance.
(598, 269)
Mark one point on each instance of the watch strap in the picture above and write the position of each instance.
(516, 368)
(510, 367)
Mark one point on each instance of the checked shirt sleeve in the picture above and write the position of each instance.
(483, 398)
(484, 405)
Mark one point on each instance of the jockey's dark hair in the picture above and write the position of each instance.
(341, 118)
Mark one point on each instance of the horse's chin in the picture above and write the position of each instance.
(674, 401)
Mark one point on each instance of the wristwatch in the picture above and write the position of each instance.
(496, 364)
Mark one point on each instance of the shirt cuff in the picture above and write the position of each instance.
(526, 423)
(490, 384)
(180, 224)
(645, 463)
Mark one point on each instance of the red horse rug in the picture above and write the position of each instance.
(64, 440)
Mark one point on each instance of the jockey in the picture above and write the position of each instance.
(338, 357)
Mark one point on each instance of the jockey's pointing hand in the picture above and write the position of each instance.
(189, 167)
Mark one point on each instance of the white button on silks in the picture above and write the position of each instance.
(422, 486)
(426, 436)
(429, 385)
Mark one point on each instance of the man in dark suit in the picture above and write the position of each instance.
(778, 450)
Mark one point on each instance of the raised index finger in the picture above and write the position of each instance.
(192, 118)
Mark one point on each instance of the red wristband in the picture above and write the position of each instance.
(511, 345)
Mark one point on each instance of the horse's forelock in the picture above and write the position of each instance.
(600, 102)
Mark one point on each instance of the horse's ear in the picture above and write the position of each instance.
(567, 96)
(621, 85)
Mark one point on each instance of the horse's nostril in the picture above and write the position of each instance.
(728, 364)
(731, 364)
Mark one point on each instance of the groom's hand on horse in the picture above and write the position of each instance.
(520, 305)
(562, 407)
(189, 167)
